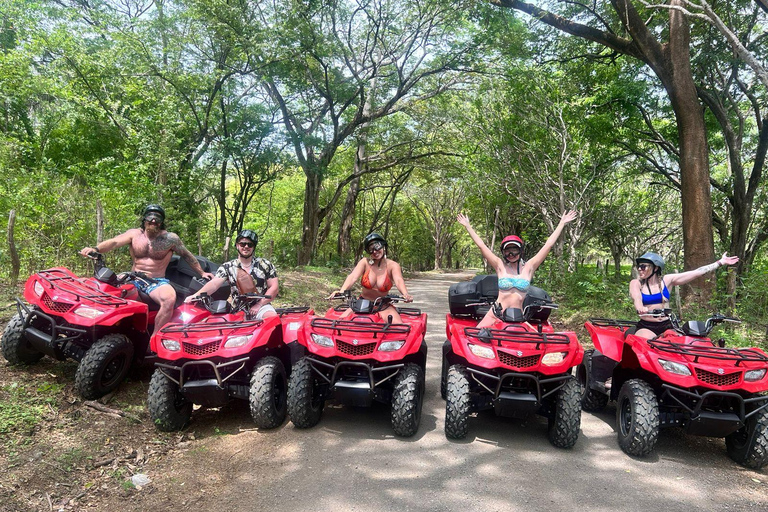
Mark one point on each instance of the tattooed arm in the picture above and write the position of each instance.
(179, 248)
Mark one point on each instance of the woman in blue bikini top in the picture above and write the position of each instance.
(514, 274)
(650, 279)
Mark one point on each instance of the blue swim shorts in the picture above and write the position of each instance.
(148, 284)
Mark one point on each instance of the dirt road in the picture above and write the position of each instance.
(352, 461)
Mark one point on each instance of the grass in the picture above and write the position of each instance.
(22, 406)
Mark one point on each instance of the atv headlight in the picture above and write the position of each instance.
(481, 351)
(676, 368)
(172, 345)
(87, 312)
(553, 358)
(323, 341)
(754, 375)
(236, 341)
(391, 346)
(38, 288)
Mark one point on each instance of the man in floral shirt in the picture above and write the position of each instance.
(247, 274)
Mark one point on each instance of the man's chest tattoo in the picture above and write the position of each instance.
(161, 244)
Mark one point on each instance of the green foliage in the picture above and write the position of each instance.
(22, 407)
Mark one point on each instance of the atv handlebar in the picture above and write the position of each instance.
(657, 313)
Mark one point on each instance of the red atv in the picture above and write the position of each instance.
(680, 378)
(226, 355)
(518, 367)
(104, 322)
(361, 358)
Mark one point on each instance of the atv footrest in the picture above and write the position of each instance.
(515, 405)
(358, 394)
(714, 424)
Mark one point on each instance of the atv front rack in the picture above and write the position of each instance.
(291, 310)
(60, 280)
(210, 326)
(609, 322)
(718, 353)
(517, 336)
(349, 326)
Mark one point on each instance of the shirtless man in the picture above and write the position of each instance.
(151, 248)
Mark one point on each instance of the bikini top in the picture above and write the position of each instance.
(365, 281)
(519, 283)
(655, 298)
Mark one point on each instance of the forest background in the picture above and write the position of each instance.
(317, 122)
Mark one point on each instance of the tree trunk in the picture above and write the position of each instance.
(694, 157)
(99, 222)
(310, 221)
(222, 198)
(15, 264)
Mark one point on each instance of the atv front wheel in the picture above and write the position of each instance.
(637, 418)
(16, 348)
(168, 409)
(267, 396)
(749, 445)
(305, 402)
(591, 400)
(104, 366)
(457, 403)
(565, 421)
(407, 400)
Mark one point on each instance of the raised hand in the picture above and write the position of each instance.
(568, 216)
(728, 260)
(463, 220)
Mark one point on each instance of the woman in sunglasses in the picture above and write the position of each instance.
(650, 291)
(377, 275)
(513, 274)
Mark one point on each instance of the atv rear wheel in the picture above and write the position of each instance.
(444, 378)
(407, 400)
(16, 348)
(749, 445)
(104, 366)
(457, 403)
(305, 403)
(591, 400)
(168, 409)
(565, 421)
(268, 393)
(637, 418)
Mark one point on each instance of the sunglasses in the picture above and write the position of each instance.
(643, 266)
(245, 244)
(375, 247)
(512, 252)
(153, 218)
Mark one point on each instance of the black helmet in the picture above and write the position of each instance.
(374, 237)
(652, 258)
(250, 235)
(156, 208)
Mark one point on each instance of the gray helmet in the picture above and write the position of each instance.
(652, 258)
(374, 237)
(154, 208)
(250, 235)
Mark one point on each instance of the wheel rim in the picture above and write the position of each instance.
(112, 371)
(625, 417)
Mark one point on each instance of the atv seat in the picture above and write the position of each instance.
(186, 281)
(463, 297)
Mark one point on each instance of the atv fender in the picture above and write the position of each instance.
(610, 342)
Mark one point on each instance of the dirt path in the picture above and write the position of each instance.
(352, 461)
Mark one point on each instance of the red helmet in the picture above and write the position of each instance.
(512, 240)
